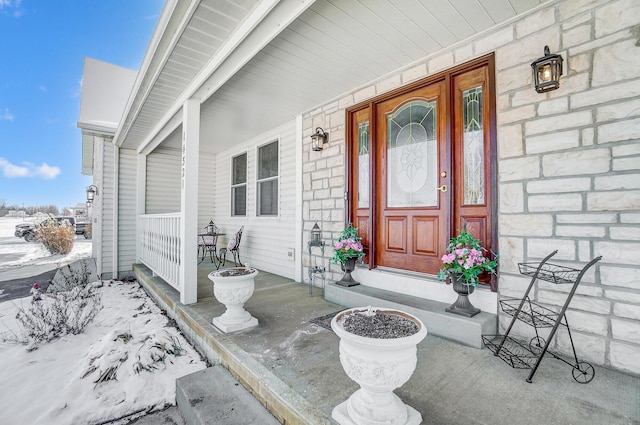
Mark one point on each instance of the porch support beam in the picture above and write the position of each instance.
(189, 202)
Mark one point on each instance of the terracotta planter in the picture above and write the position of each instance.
(233, 292)
(379, 366)
(462, 306)
(348, 266)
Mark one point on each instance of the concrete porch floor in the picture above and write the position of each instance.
(292, 366)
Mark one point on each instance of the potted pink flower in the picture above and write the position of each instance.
(464, 261)
(347, 251)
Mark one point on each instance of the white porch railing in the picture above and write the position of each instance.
(159, 245)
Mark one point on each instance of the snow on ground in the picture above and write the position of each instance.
(22, 253)
(46, 386)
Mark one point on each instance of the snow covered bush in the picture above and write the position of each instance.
(56, 237)
(121, 353)
(55, 314)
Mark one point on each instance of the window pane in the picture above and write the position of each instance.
(268, 197)
(239, 200)
(239, 172)
(363, 164)
(473, 146)
(412, 156)
(268, 161)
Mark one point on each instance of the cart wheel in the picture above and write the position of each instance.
(536, 344)
(583, 372)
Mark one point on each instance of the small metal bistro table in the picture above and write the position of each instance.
(210, 248)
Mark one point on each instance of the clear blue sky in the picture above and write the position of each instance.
(43, 44)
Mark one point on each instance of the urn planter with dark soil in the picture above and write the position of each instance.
(378, 351)
(233, 287)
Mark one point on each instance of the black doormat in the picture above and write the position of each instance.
(325, 321)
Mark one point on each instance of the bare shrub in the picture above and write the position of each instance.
(56, 237)
(57, 313)
(53, 315)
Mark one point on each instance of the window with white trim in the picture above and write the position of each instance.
(267, 180)
(239, 185)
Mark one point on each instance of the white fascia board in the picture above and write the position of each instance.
(259, 29)
(149, 81)
(107, 129)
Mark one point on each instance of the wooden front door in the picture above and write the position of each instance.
(412, 196)
(421, 167)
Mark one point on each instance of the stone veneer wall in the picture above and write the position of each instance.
(568, 164)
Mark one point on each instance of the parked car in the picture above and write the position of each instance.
(83, 228)
(28, 230)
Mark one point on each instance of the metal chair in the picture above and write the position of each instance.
(234, 247)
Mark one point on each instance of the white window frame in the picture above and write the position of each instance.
(258, 180)
(234, 186)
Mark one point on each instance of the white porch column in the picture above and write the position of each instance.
(189, 202)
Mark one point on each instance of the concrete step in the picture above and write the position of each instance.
(214, 396)
(465, 330)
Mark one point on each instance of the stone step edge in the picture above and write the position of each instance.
(214, 396)
(279, 398)
(465, 330)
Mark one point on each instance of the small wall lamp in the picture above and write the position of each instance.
(547, 71)
(92, 191)
(318, 139)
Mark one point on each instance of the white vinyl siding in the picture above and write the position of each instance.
(105, 219)
(206, 189)
(127, 212)
(266, 240)
(163, 182)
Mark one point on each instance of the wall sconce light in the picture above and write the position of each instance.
(315, 235)
(92, 191)
(547, 71)
(318, 139)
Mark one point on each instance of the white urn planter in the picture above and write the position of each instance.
(379, 366)
(233, 287)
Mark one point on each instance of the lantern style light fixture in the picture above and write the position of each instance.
(92, 191)
(315, 235)
(547, 71)
(318, 139)
(211, 227)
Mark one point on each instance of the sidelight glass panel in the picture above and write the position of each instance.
(363, 164)
(474, 190)
(412, 155)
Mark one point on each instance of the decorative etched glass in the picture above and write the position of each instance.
(363, 164)
(473, 147)
(412, 155)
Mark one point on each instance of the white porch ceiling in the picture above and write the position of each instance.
(330, 48)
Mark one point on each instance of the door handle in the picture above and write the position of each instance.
(442, 188)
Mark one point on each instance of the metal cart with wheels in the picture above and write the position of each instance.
(522, 356)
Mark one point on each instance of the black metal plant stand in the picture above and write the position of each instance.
(316, 270)
(517, 354)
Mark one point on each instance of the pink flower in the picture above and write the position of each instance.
(338, 245)
(35, 286)
(448, 258)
